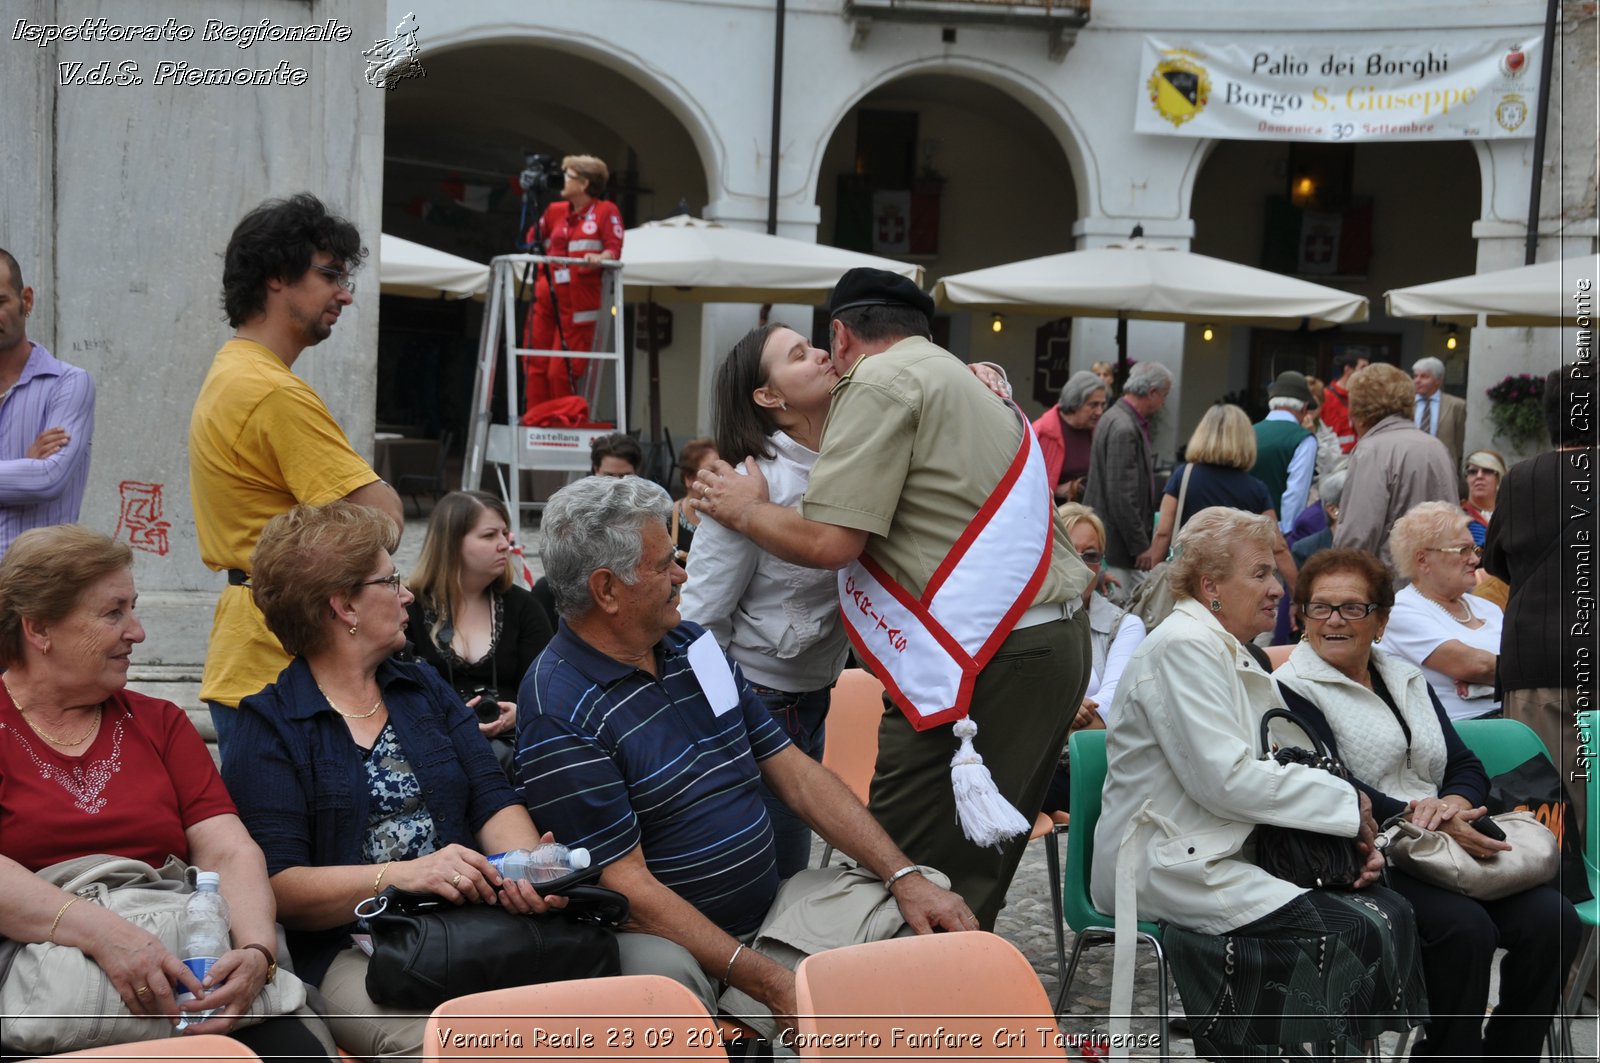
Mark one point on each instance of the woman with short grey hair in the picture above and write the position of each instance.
(594, 524)
(1066, 432)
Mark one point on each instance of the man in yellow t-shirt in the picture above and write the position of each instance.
(261, 439)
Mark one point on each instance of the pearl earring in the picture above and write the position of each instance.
(352, 629)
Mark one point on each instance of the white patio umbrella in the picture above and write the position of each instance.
(686, 259)
(1149, 282)
(406, 268)
(1540, 294)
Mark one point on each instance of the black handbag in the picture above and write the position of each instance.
(426, 950)
(1306, 858)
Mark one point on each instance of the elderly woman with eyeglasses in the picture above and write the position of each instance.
(1437, 623)
(1378, 716)
(355, 770)
(1066, 431)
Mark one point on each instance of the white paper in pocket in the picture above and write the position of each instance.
(711, 669)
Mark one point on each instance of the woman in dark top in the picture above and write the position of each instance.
(478, 629)
(356, 770)
(1541, 525)
(1378, 715)
(1221, 451)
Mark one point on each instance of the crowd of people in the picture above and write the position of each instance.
(660, 696)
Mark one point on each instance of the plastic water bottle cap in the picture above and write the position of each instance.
(578, 858)
(207, 880)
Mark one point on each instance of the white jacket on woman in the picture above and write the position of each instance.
(778, 621)
(1184, 768)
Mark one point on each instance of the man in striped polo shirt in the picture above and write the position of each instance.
(639, 740)
(46, 421)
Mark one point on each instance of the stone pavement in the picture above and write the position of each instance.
(168, 666)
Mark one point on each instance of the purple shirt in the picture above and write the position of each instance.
(35, 493)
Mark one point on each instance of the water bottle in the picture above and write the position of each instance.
(545, 863)
(205, 935)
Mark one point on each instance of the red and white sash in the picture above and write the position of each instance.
(928, 651)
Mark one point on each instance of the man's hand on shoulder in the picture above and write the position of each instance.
(927, 907)
(721, 493)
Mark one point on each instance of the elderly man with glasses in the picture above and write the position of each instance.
(640, 740)
(261, 439)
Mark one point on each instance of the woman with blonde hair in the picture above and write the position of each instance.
(1261, 964)
(1220, 454)
(1438, 624)
(468, 619)
(357, 770)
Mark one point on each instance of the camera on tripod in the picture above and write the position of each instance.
(541, 174)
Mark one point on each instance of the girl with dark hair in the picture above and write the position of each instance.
(779, 621)
(478, 629)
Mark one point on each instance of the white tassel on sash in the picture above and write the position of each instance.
(986, 818)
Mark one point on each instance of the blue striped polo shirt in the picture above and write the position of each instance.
(610, 757)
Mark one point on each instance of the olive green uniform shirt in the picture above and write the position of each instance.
(913, 446)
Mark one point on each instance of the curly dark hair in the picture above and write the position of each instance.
(1380, 585)
(275, 242)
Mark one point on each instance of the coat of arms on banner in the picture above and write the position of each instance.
(1511, 112)
(1179, 87)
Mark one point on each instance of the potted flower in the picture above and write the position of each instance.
(1516, 408)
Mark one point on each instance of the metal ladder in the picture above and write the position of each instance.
(510, 447)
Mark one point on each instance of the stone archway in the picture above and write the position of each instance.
(995, 176)
(1422, 199)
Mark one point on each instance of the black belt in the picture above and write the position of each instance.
(238, 577)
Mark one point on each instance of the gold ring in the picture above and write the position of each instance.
(141, 990)
(455, 880)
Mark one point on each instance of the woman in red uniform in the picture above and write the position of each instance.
(580, 225)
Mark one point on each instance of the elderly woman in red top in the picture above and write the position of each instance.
(87, 766)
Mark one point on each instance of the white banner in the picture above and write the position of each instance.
(1329, 87)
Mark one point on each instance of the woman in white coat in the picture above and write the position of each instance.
(1261, 964)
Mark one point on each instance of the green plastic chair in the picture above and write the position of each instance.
(1092, 926)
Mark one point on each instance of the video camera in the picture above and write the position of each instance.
(541, 174)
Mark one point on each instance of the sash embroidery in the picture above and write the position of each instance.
(929, 651)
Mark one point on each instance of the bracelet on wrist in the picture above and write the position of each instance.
(909, 869)
(728, 974)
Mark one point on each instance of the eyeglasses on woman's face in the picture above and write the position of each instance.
(1459, 551)
(1347, 610)
(393, 580)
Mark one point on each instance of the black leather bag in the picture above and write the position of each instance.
(426, 950)
(1306, 858)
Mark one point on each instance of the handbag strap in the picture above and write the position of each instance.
(1183, 494)
(1267, 717)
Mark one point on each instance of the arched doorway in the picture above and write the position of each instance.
(1363, 218)
(455, 142)
(982, 181)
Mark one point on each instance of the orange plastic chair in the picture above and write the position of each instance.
(850, 746)
(642, 1016)
(189, 1049)
(935, 996)
(1278, 654)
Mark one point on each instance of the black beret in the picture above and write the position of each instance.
(864, 286)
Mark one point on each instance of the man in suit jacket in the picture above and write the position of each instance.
(1121, 471)
(1442, 416)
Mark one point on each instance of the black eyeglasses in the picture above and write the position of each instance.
(1459, 551)
(1348, 610)
(341, 277)
(393, 579)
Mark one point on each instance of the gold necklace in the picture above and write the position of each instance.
(64, 743)
(352, 715)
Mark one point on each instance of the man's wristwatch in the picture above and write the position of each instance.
(272, 963)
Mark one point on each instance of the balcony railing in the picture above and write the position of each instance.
(1060, 19)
